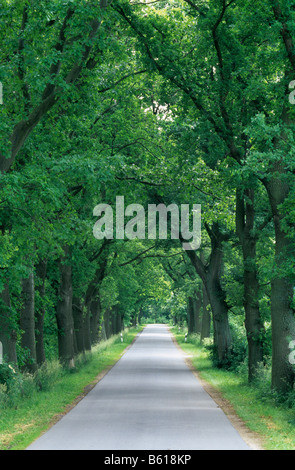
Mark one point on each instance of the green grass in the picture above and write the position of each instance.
(260, 410)
(27, 417)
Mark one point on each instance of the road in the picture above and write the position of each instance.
(150, 400)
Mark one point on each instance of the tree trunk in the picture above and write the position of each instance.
(217, 296)
(253, 322)
(114, 320)
(282, 312)
(106, 321)
(103, 331)
(64, 314)
(134, 318)
(117, 320)
(193, 310)
(27, 323)
(211, 277)
(8, 334)
(190, 316)
(40, 311)
(87, 330)
(222, 334)
(283, 331)
(206, 317)
(277, 187)
(78, 325)
(245, 214)
(197, 305)
(92, 301)
(95, 320)
(140, 315)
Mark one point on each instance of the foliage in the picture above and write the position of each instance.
(160, 102)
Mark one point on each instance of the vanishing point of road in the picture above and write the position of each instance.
(150, 400)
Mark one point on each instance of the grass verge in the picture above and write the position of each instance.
(262, 418)
(33, 412)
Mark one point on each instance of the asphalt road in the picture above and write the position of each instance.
(150, 400)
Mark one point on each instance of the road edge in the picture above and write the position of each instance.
(251, 438)
(56, 418)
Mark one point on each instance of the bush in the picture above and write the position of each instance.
(194, 338)
(16, 385)
(13, 386)
(7, 374)
(236, 358)
(47, 375)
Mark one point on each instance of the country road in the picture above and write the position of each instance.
(150, 400)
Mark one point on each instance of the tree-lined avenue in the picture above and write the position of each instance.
(150, 400)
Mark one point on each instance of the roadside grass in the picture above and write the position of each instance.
(31, 412)
(260, 409)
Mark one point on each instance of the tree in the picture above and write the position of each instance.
(221, 64)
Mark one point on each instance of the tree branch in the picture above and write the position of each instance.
(24, 128)
(121, 80)
(181, 85)
(195, 7)
(55, 67)
(130, 178)
(137, 256)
